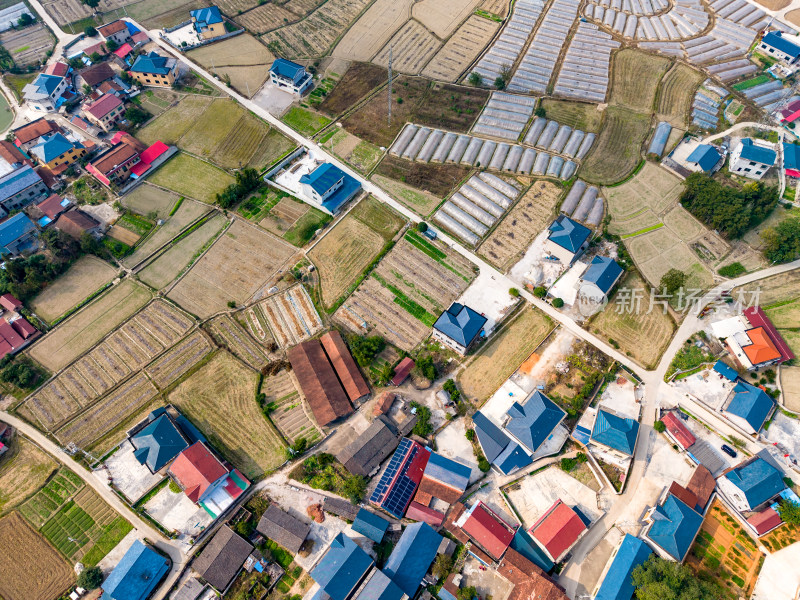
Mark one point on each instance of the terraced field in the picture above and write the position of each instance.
(233, 338)
(618, 148)
(676, 92)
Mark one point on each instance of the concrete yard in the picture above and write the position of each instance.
(177, 513)
(785, 431)
(490, 298)
(486, 581)
(129, 476)
(780, 577)
(273, 99)
(708, 386)
(453, 443)
(621, 399)
(111, 559)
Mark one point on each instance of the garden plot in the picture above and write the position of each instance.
(412, 46)
(24, 470)
(242, 58)
(48, 500)
(529, 217)
(179, 360)
(192, 177)
(657, 252)
(461, 49)
(677, 89)
(158, 14)
(373, 29)
(498, 8)
(289, 412)
(442, 17)
(289, 315)
(232, 269)
(235, 7)
(362, 155)
(68, 11)
(408, 291)
(233, 338)
(28, 46)
(652, 187)
(421, 202)
(583, 73)
(313, 36)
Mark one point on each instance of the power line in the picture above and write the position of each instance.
(390, 83)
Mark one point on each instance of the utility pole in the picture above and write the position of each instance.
(390, 84)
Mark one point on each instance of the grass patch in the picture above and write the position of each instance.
(304, 121)
(641, 231)
(749, 83)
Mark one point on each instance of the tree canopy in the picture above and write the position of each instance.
(659, 579)
(672, 281)
(782, 242)
(789, 512)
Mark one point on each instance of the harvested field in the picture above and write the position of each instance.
(289, 317)
(220, 400)
(578, 115)
(357, 82)
(28, 46)
(642, 334)
(461, 49)
(437, 179)
(784, 315)
(772, 290)
(451, 107)
(51, 497)
(229, 335)
(520, 226)
(158, 14)
(676, 93)
(313, 36)
(378, 217)
(67, 11)
(442, 17)
(290, 413)
(413, 47)
(157, 100)
(233, 7)
(373, 29)
(23, 470)
(172, 125)
(46, 574)
(657, 252)
(504, 352)
(192, 177)
(618, 148)
(164, 269)
(636, 77)
(243, 58)
(652, 187)
(81, 331)
(80, 281)
(495, 7)
(422, 203)
(147, 199)
(266, 17)
(408, 291)
(126, 236)
(793, 16)
(361, 155)
(235, 266)
(179, 360)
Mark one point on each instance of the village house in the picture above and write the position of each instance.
(12, 158)
(704, 158)
(116, 31)
(151, 69)
(222, 558)
(105, 111)
(615, 434)
(319, 382)
(45, 93)
(615, 582)
(749, 407)
(778, 44)
(57, 153)
(459, 327)
(291, 76)
(95, 75)
(752, 159)
(77, 223)
(208, 23)
(558, 530)
(17, 234)
(51, 207)
(136, 575)
(27, 136)
(599, 279)
(672, 527)
(113, 167)
(19, 188)
(329, 187)
(282, 528)
(566, 239)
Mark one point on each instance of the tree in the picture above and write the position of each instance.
(659, 426)
(659, 579)
(354, 488)
(540, 291)
(136, 115)
(91, 3)
(442, 565)
(87, 89)
(111, 45)
(558, 303)
(425, 367)
(25, 20)
(90, 31)
(422, 227)
(513, 292)
(673, 280)
(789, 512)
(90, 578)
(782, 242)
(540, 112)
(505, 73)
(365, 349)
(500, 83)
(467, 593)
(475, 79)
(95, 57)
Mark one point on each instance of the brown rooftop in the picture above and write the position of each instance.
(282, 528)
(221, 559)
(528, 579)
(364, 454)
(384, 403)
(10, 153)
(34, 129)
(682, 494)
(75, 223)
(702, 485)
(111, 159)
(346, 369)
(112, 28)
(430, 488)
(319, 383)
(97, 74)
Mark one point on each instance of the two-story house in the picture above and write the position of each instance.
(208, 23)
(752, 159)
(105, 111)
(116, 31)
(44, 94)
(57, 153)
(19, 188)
(290, 76)
(777, 44)
(154, 70)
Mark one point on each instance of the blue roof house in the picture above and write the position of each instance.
(412, 557)
(17, 234)
(726, 371)
(598, 280)
(52, 147)
(44, 93)
(752, 484)
(749, 407)
(500, 450)
(532, 424)
(342, 569)
(776, 44)
(673, 528)
(19, 188)
(791, 159)
(158, 443)
(379, 587)
(458, 327)
(370, 525)
(704, 158)
(567, 239)
(613, 433)
(208, 23)
(136, 575)
(328, 187)
(751, 159)
(617, 584)
(290, 76)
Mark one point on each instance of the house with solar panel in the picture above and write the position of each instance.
(443, 482)
(614, 434)
(752, 158)
(459, 327)
(566, 239)
(616, 580)
(401, 478)
(672, 527)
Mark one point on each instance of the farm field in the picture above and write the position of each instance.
(495, 7)
(504, 352)
(67, 11)
(790, 379)
(28, 46)
(284, 216)
(450, 107)
(343, 254)
(46, 574)
(290, 414)
(157, 14)
(305, 121)
(265, 17)
(232, 7)
(413, 47)
(164, 269)
(357, 82)
(520, 226)
(675, 95)
(220, 400)
(288, 317)
(636, 77)
(157, 100)
(172, 125)
(121, 234)
(442, 17)
(362, 155)
(85, 328)
(772, 290)
(653, 189)
(643, 336)
(407, 292)
(436, 179)
(81, 280)
(618, 148)
(242, 58)
(23, 470)
(373, 29)
(230, 335)
(461, 49)
(657, 252)
(179, 360)
(51, 497)
(211, 282)
(192, 177)
(577, 115)
(421, 202)
(313, 36)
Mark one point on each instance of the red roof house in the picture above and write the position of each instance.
(558, 530)
(58, 68)
(10, 335)
(418, 512)
(791, 113)
(402, 371)
(487, 529)
(758, 319)
(765, 521)
(53, 205)
(383, 403)
(123, 50)
(196, 469)
(24, 328)
(9, 302)
(147, 157)
(678, 431)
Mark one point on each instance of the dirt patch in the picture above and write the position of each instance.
(23, 469)
(793, 16)
(437, 179)
(421, 202)
(774, 4)
(451, 107)
(357, 82)
(442, 17)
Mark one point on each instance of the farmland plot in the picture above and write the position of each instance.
(265, 17)
(290, 315)
(357, 82)
(25, 469)
(147, 199)
(243, 58)
(46, 574)
(618, 148)
(577, 115)
(67, 11)
(413, 46)
(442, 17)
(657, 252)
(677, 91)
(157, 14)
(421, 202)
(171, 126)
(290, 413)
(652, 187)
(235, 266)
(495, 7)
(461, 49)
(28, 46)
(362, 155)
(233, 338)
(179, 359)
(520, 226)
(373, 29)
(636, 77)
(436, 179)
(192, 177)
(46, 502)
(233, 7)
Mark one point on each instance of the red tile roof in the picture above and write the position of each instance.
(757, 318)
(123, 50)
(402, 370)
(51, 206)
(683, 494)
(102, 106)
(762, 349)
(76, 223)
(12, 154)
(346, 369)
(196, 469)
(384, 403)
(9, 302)
(765, 521)
(678, 430)
(99, 47)
(488, 530)
(112, 28)
(140, 168)
(530, 582)
(558, 529)
(23, 328)
(154, 151)
(58, 68)
(140, 37)
(318, 381)
(34, 130)
(418, 512)
(9, 334)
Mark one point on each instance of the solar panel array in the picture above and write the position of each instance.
(395, 488)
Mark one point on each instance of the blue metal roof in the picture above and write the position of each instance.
(706, 157)
(758, 480)
(14, 228)
(370, 525)
(534, 421)
(460, 323)
(660, 137)
(412, 556)
(52, 147)
(791, 156)
(615, 432)
(152, 63)
(445, 595)
(158, 443)
(523, 543)
(777, 41)
(675, 526)
(568, 234)
(617, 584)
(491, 438)
(512, 458)
(47, 84)
(323, 178)
(726, 371)
(286, 68)
(206, 16)
(759, 154)
(136, 575)
(132, 29)
(380, 587)
(16, 181)
(448, 471)
(603, 272)
(342, 568)
(751, 404)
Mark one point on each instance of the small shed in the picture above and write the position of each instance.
(370, 525)
(402, 371)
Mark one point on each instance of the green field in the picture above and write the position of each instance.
(51, 497)
(304, 121)
(748, 83)
(192, 177)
